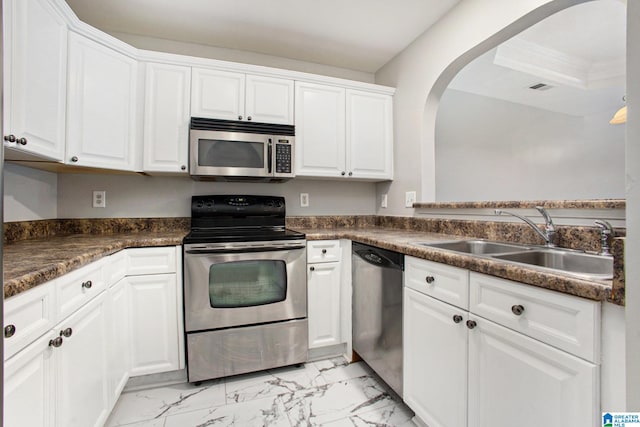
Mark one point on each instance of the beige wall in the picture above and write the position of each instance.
(423, 70)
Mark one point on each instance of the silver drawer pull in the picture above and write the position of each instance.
(324, 251)
(66, 332)
(56, 342)
(87, 284)
(9, 331)
(471, 324)
(430, 279)
(457, 318)
(517, 309)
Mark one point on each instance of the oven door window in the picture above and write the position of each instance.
(247, 283)
(231, 154)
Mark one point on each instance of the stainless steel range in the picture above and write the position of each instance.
(245, 290)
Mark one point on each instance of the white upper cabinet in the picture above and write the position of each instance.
(35, 76)
(166, 118)
(369, 135)
(235, 96)
(343, 133)
(269, 100)
(102, 115)
(320, 130)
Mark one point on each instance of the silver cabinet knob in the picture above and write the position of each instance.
(312, 268)
(471, 324)
(324, 251)
(87, 285)
(239, 117)
(9, 331)
(350, 173)
(457, 318)
(249, 118)
(10, 138)
(517, 309)
(430, 279)
(74, 159)
(22, 141)
(56, 342)
(66, 332)
(183, 167)
(342, 173)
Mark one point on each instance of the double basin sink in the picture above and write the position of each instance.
(575, 263)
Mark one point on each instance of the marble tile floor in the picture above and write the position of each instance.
(323, 393)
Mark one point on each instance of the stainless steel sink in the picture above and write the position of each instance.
(576, 263)
(476, 247)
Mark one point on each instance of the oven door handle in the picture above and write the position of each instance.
(241, 250)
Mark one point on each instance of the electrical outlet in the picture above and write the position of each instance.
(409, 199)
(99, 199)
(383, 201)
(304, 200)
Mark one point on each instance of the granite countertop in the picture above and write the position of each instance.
(404, 241)
(29, 263)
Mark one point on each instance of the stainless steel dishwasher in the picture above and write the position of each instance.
(377, 311)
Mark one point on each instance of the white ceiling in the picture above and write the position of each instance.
(580, 52)
(360, 35)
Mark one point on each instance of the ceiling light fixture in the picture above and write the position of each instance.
(620, 116)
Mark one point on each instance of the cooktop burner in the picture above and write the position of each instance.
(238, 218)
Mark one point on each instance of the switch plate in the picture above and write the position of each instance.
(409, 199)
(304, 200)
(99, 199)
(383, 201)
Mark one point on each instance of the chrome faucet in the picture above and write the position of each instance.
(606, 232)
(549, 232)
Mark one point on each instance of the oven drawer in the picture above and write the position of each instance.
(217, 354)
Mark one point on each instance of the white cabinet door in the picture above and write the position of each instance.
(435, 360)
(35, 78)
(369, 135)
(166, 118)
(82, 383)
(154, 321)
(269, 100)
(119, 361)
(320, 130)
(217, 94)
(101, 121)
(29, 386)
(516, 380)
(323, 295)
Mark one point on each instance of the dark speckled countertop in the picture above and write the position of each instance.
(405, 241)
(29, 263)
(33, 261)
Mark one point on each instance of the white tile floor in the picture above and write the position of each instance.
(325, 393)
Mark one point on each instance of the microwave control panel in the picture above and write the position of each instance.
(283, 157)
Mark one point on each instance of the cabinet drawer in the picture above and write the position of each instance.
(80, 286)
(324, 251)
(159, 260)
(441, 281)
(565, 322)
(27, 316)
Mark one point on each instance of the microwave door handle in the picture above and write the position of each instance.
(269, 157)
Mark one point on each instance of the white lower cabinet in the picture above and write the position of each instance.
(435, 360)
(71, 374)
(516, 380)
(29, 385)
(323, 293)
(82, 385)
(154, 324)
(462, 369)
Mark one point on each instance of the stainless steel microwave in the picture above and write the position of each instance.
(227, 150)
